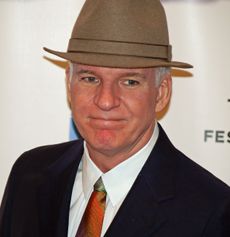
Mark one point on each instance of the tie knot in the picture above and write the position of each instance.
(99, 186)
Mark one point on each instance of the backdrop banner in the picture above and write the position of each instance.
(34, 108)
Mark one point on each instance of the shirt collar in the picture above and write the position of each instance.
(113, 180)
(90, 173)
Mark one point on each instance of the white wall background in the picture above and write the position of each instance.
(33, 103)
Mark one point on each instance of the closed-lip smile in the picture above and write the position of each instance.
(107, 123)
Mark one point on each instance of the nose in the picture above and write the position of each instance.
(107, 97)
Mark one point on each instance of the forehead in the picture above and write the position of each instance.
(143, 72)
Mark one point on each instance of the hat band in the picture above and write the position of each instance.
(120, 48)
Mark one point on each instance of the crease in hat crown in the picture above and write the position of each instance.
(121, 33)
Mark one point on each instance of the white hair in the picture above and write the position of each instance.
(70, 70)
(160, 72)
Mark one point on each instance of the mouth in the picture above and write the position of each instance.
(107, 123)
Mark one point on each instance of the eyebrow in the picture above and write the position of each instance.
(128, 74)
(84, 71)
(134, 74)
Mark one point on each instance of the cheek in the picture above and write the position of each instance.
(80, 99)
(79, 112)
(142, 104)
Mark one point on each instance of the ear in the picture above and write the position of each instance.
(67, 73)
(164, 93)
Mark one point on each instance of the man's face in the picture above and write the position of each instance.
(114, 109)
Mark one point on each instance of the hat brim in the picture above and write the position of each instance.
(116, 61)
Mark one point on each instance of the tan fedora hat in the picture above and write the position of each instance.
(121, 33)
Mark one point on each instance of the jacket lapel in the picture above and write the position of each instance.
(55, 192)
(144, 210)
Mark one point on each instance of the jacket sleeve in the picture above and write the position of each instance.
(9, 197)
(219, 223)
(6, 208)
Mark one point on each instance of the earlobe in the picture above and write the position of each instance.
(164, 93)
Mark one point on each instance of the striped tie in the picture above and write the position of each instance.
(91, 223)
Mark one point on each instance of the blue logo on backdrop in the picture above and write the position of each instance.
(73, 133)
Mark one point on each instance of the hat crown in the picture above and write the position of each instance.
(121, 33)
(138, 21)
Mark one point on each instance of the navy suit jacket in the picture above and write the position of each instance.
(171, 197)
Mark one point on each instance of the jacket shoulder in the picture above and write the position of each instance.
(191, 179)
(41, 157)
(195, 177)
(29, 175)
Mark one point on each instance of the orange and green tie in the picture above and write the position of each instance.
(91, 223)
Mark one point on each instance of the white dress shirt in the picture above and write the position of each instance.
(117, 181)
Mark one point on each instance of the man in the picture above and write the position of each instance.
(117, 80)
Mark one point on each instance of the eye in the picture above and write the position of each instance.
(131, 82)
(90, 80)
